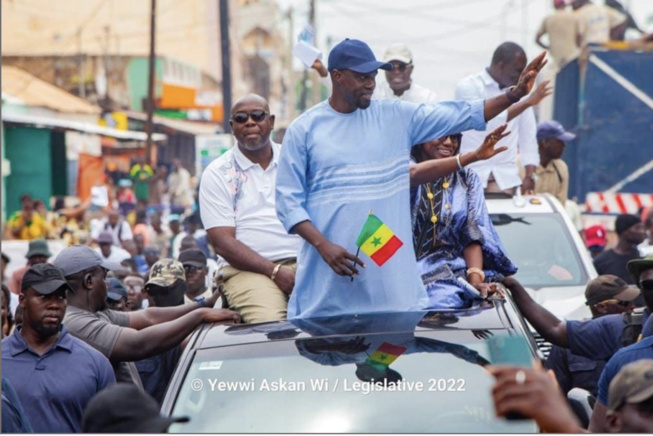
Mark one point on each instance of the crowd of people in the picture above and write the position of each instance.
(271, 236)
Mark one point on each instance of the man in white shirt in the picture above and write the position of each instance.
(196, 270)
(597, 23)
(192, 223)
(501, 173)
(119, 228)
(398, 84)
(237, 203)
(179, 187)
(108, 251)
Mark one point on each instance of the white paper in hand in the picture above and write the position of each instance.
(306, 53)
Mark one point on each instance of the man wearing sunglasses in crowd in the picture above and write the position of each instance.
(598, 338)
(605, 295)
(237, 204)
(641, 271)
(195, 269)
(399, 85)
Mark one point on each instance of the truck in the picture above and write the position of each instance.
(606, 97)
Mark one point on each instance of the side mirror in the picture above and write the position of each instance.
(581, 402)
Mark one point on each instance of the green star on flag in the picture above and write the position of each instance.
(377, 240)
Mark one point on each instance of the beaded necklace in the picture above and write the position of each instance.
(431, 198)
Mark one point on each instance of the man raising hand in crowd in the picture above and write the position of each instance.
(124, 337)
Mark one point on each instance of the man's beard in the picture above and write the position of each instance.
(46, 331)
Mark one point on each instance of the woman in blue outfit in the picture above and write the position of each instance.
(453, 235)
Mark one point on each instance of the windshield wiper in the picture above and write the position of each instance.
(502, 219)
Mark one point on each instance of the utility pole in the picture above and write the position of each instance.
(149, 127)
(291, 74)
(316, 78)
(82, 84)
(226, 64)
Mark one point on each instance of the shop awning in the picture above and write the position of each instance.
(49, 122)
(190, 127)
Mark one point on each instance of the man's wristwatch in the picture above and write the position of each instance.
(201, 301)
(512, 97)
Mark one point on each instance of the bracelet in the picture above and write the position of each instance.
(460, 165)
(275, 271)
(476, 271)
(201, 301)
(512, 97)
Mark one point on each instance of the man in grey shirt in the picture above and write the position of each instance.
(124, 337)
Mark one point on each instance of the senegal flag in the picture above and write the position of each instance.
(386, 354)
(377, 240)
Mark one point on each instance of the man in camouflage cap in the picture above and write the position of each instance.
(167, 284)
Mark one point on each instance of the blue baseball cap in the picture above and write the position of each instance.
(355, 55)
(553, 129)
(116, 290)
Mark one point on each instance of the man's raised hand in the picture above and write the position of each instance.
(487, 150)
(527, 78)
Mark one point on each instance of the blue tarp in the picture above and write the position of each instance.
(614, 127)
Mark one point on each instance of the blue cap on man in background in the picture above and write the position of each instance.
(553, 129)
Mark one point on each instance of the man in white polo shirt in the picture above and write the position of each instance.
(237, 205)
(398, 83)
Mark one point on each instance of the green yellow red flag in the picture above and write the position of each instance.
(377, 240)
(386, 354)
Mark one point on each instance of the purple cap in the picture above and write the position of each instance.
(355, 55)
(105, 237)
(553, 129)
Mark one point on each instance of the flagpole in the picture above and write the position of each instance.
(359, 250)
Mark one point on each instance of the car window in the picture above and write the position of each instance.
(542, 248)
(433, 381)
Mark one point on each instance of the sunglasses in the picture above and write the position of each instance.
(618, 302)
(242, 117)
(191, 268)
(133, 287)
(646, 285)
(455, 138)
(400, 66)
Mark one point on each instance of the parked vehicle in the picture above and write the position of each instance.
(409, 372)
(606, 98)
(554, 265)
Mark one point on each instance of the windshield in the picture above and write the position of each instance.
(542, 249)
(432, 381)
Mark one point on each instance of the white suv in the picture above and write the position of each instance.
(554, 265)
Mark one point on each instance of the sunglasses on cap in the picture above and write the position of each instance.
(646, 285)
(242, 117)
(399, 66)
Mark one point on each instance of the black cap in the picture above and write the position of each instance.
(44, 279)
(624, 222)
(124, 408)
(194, 257)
